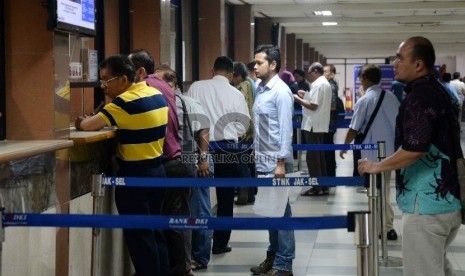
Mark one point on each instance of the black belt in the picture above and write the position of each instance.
(263, 173)
(166, 160)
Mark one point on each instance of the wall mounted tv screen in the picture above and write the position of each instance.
(76, 16)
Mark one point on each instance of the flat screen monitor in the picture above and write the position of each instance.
(76, 16)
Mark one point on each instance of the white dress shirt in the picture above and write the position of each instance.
(224, 105)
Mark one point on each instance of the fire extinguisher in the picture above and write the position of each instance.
(348, 100)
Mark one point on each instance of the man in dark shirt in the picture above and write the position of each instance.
(427, 185)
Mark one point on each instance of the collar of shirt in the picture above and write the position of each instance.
(419, 81)
(374, 89)
(221, 78)
(266, 87)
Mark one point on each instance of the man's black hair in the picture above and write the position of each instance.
(251, 66)
(423, 50)
(142, 58)
(456, 75)
(223, 63)
(446, 77)
(240, 69)
(272, 53)
(299, 72)
(370, 72)
(119, 66)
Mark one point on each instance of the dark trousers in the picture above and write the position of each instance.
(147, 247)
(225, 196)
(330, 156)
(176, 203)
(316, 161)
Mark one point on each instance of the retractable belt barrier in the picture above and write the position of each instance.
(233, 182)
(172, 222)
(241, 146)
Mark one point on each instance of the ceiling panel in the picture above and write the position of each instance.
(369, 28)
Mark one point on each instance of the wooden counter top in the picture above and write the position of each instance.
(80, 137)
(19, 149)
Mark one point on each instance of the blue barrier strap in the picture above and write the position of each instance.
(335, 146)
(165, 222)
(233, 182)
(242, 147)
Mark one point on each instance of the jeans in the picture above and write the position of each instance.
(282, 245)
(200, 207)
(282, 242)
(201, 239)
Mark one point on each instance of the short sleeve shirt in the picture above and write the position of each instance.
(423, 126)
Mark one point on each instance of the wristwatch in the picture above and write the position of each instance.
(203, 157)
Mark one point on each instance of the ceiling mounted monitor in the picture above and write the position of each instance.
(74, 16)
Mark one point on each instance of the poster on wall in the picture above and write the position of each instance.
(387, 77)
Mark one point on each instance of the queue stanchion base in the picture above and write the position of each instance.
(391, 261)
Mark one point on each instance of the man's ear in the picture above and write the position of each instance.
(419, 65)
(273, 65)
(141, 74)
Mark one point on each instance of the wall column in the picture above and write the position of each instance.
(290, 52)
(212, 35)
(311, 56)
(298, 53)
(145, 27)
(263, 31)
(306, 56)
(243, 33)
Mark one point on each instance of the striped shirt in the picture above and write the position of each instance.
(140, 114)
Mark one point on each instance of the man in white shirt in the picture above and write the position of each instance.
(460, 88)
(315, 122)
(227, 110)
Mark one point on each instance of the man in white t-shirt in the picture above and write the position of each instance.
(315, 122)
(460, 88)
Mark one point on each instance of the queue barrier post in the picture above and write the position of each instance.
(97, 195)
(385, 260)
(373, 198)
(359, 222)
(2, 234)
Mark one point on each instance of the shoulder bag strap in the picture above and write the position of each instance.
(373, 115)
(185, 116)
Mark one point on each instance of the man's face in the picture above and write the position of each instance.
(298, 78)
(312, 75)
(405, 65)
(327, 72)
(263, 69)
(236, 80)
(112, 85)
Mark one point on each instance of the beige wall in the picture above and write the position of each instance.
(29, 71)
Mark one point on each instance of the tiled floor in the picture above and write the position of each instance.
(324, 252)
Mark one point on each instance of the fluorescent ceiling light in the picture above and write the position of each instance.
(329, 23)
(324, 13)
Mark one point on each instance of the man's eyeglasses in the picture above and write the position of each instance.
(105, 82)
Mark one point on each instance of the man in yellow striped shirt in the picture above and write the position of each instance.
(140, 114)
